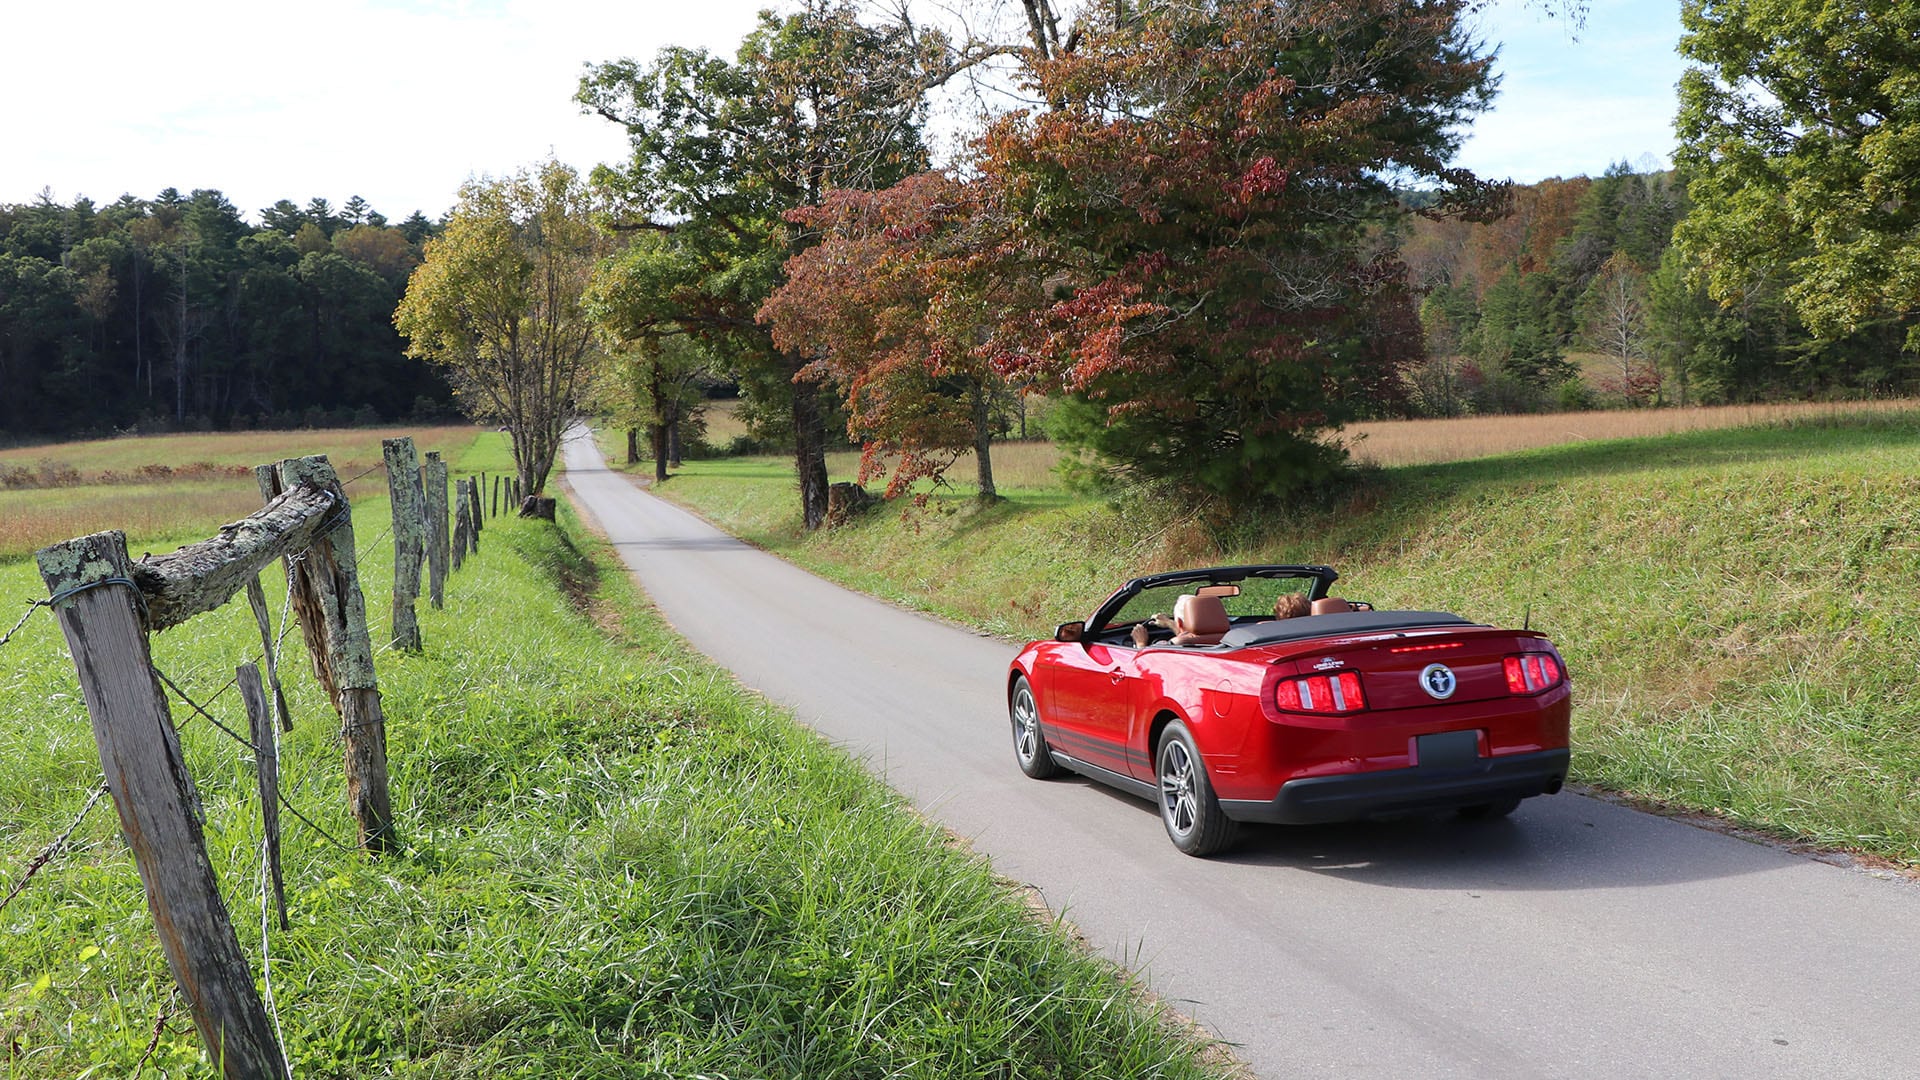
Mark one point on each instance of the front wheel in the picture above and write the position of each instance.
(1195, 823)
(1029, 742)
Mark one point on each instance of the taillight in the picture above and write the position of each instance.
(1530, 673)
(1336, 693)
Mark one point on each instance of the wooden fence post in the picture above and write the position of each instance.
(158, 805)
(479, 504)
(333, 619)
(266, 767)
(494, 499)
(459, 523)
(433, 475)
(473, 516)
(407, 497)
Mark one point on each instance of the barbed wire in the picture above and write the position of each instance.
(197, 707)
(159, 1029)
(368, 471)
(47, 853)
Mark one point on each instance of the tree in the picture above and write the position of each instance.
(1206, 198)
(497, 300)
(1613, 319)
(894, 302)
(814, 100)
(1798, 132)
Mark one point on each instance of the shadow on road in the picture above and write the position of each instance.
(1554, 843)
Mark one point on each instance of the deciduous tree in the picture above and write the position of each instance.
(1799, 138)
(896, 302)
(498, 302)
(1206, 193)
(812, 101)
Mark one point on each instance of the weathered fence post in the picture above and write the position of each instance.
(494, 499)
(100, 611)
(333, 619)
(473, 516)
(266, 767)
(459, 523)
(408, 496)
(257, 600)
(433, 475)
(479, 504)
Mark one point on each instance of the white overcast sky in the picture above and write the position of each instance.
(400, 101)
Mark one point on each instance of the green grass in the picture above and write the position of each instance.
(618, 864)
(1735, 606)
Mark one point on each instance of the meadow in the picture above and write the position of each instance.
(164, 491)
(617, 863)
(1734, 602)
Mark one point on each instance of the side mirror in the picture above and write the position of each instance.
(1069, 631)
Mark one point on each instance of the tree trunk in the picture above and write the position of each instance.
(658, 434)
(633, 445)
(810, 453)
(983, 439)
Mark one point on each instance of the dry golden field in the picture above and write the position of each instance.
(1028, 466)
(1420, 442)
(159, 488)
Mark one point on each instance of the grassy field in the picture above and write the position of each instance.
(1735, 604)
(617, 865)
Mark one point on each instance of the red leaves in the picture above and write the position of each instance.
(1263, 177)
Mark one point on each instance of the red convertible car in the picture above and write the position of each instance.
(1225, 713)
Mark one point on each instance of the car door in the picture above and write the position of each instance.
(1092, 703)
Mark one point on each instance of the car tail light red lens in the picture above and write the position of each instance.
(1530, 673)
(1336, 693)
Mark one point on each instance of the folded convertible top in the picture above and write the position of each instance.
(1305, 627)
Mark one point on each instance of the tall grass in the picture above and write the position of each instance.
(1732, 602)
(617, 865)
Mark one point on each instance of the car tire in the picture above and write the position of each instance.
(1195, 823)
(1489, 811)
(1030, 747)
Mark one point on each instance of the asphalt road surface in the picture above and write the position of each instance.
(1577, 938)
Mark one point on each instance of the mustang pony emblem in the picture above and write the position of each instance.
(1438, 681)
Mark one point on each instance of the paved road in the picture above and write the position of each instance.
(1576, 939)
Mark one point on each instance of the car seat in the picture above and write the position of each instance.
(1199, 620)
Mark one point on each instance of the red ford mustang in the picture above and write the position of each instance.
(1225, 713)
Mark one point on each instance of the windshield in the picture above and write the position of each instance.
(1253, 602)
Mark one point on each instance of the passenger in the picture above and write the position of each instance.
(1291, 605)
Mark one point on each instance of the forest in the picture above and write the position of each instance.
(1586, 268)
(177, 314)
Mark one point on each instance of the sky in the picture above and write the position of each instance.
(401, 101)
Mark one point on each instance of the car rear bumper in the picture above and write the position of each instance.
(1354, 796)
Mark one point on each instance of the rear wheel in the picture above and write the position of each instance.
(1488, 811)
(1029, 742)
(1195, 823)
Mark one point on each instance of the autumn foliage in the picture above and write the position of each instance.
(1187, 241)
(894, 305)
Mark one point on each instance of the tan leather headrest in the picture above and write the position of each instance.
(1200, 620)
(1331, 605)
